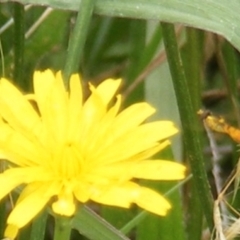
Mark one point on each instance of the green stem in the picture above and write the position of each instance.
(193, 60)
(193, 64)
(62, 230)
(189, 121)
(78, 39)
(19, 31)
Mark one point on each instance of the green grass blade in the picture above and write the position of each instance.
(192, 54)
(217, 16)
(94, 227)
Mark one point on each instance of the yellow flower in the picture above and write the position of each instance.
(59, 146)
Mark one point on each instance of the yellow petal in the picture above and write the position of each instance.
(135, 158)
(159, 170)
(107, 89)
(17, 111)
(57, 112)
(82, 191)
(121, 196)
(75, 106)
(151, 151)
(31, 205)
(121, 171)
(8, 182)
(138, 167)
(65, 204)
(14, 177)
(155, 131)
(96, 105)
(133, 116)
(43, 84)
(76, 94)
(92, 112)
(152, 201)
(125, 121)
(33, 186)
(129, 119)
(51, 98)
(112, 112)
(101, 130)
(11, 232)
(140, 139)
(14, 144)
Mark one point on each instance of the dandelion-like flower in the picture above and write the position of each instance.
(63, 150)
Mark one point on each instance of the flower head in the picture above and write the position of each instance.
(59, 146)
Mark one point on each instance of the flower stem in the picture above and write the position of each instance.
(188, 118)
(62, 229)
(78, 39)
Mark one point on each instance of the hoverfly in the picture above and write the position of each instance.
(218, 124)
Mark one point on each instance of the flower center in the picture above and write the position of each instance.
(69, 162)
